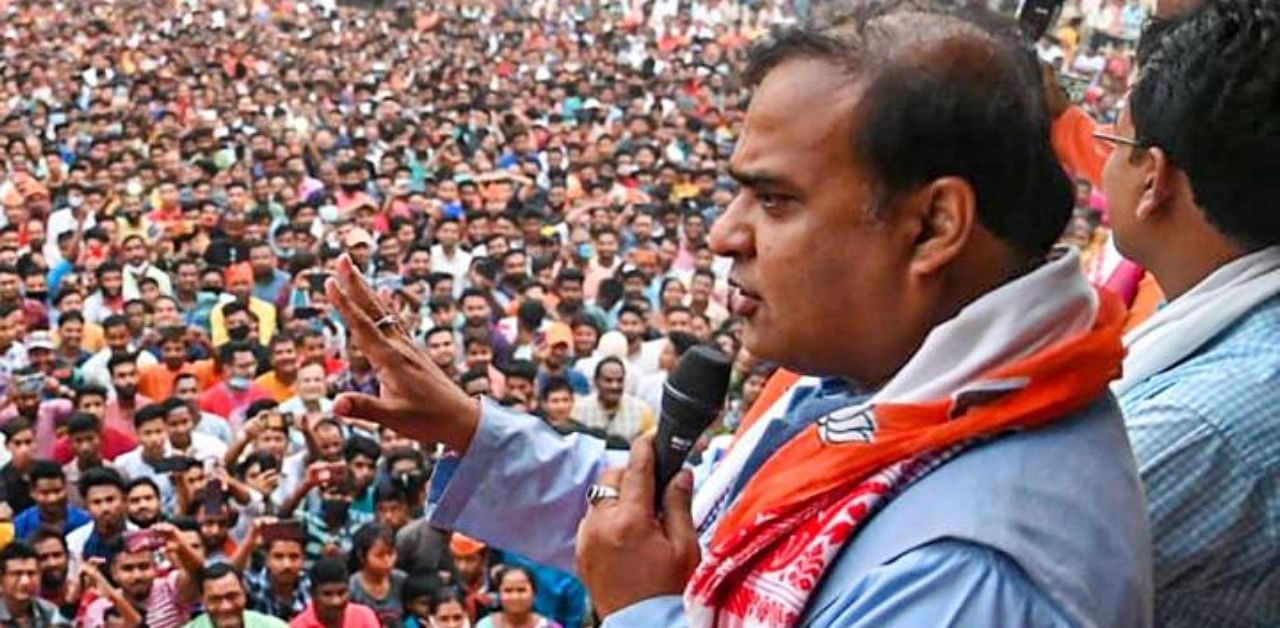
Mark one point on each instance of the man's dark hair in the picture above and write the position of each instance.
(44, 534)
(108, 267)
(951, 78)
(142, 481)
(569, 274)
(521, 369)
(15, 426)
(115, 320)
(530, 314)
(404, 453)
(1207, 95)
(328, 570)
(73, 316)
(101, 476)
(83, 422)
(216, 571)
(229, 351)
(472, 375)
(630, 308)
(361, 446)
(610, 359)
(439, 329)
(389, 490)
(555, 383)
(46, 470)
(90, 390)
(148, 413)
(124, 357)
(15, 550)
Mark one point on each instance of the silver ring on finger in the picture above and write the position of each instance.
(387, 323)
(597, 493)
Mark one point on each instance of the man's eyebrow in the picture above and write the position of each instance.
(757, 178)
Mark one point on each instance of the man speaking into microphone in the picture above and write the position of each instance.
(952, 456)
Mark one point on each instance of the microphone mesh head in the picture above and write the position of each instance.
(702, 374)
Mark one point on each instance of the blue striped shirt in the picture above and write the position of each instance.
(1206, 434)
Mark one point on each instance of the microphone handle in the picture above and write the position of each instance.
(670, 451)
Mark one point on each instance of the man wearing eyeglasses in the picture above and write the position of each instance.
(1192, 185)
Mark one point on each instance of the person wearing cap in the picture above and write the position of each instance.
(42, 353)
(471, 560)
(239, 281)
(557, 355)
(358, 243)
(25, 400)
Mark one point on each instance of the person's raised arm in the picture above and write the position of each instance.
(252, 428)
(513, 469)
(310, 481)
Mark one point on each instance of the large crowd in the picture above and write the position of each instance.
(529, 185)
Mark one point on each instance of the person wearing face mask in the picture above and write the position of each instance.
(75, 216)
(239, 281)
(237, 390)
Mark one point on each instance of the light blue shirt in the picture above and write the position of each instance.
(1044, 528)
(1207, 437)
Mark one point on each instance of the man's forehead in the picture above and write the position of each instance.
(795, 112)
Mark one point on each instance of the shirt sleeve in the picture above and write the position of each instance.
(520, 472)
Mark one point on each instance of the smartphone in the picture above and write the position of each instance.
(1035, 17)
(212, 492)
(173, 464)
(305, 312)
(143, 541)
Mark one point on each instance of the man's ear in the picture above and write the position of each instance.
(1159, 176)
(946, 209)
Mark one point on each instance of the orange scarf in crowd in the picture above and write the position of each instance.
(777, 537)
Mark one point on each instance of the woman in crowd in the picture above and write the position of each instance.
(515, 595)
(375, 582)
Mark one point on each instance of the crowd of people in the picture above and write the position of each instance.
(528, 185)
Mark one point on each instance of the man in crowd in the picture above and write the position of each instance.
(280, 587)
(51, 512)
(233, 395)
(15, 480)
(118, 339)
(279, 381)
(331, 606)
(55, 568)
(103, 492)
(163, 600)
(184, 439)
(225, 600)
(20, 587)
(1185, 185)
(125, 401)
(610, 409)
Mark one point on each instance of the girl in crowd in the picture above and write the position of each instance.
(515, 595)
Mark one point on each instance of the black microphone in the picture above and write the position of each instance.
(691, 399)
